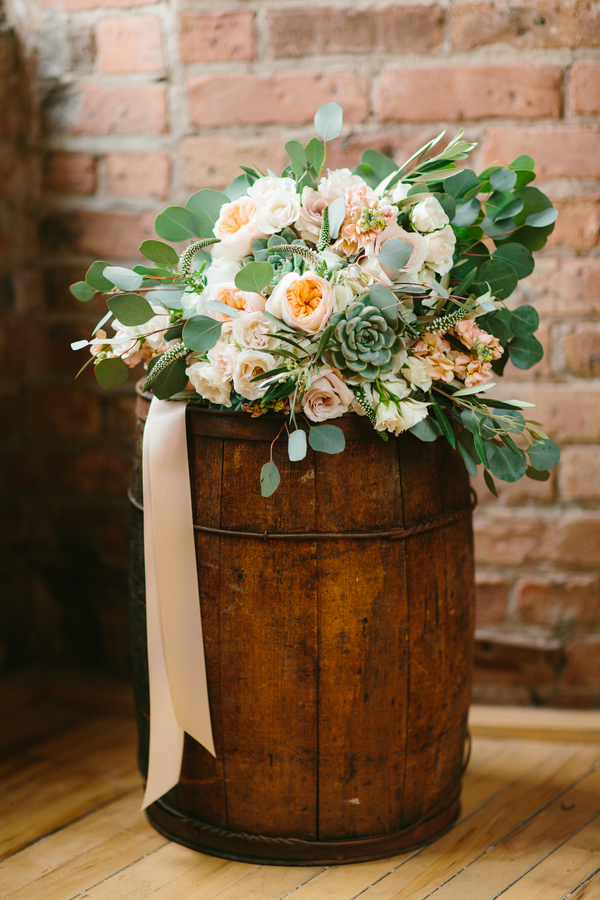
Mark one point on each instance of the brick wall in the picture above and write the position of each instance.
(142, 103)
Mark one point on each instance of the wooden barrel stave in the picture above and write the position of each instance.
(323, 695)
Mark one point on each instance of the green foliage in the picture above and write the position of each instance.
(524, 320)
(426, 430)
(95, 277)
(160, 253)
(395, 254)
(444, 424)
(177, 223)
(500, 276)
(327, 439)
(269, 479)
(254, 277)
(315, 154)
(130, 309)
(517, 256)
(544, 455)
(171, 380)
(297, 445)
(201, 333)
(297, 155)
(385, 301)
(505, 464)
(111, 373)
(206, 207)
(82, 291)
(329, 120)
(525, 352)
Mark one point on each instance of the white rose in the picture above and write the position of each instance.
(254, 330)
(278, 211)
(428, 215)
(399, 417)
(327, 398)
(209, 383)
(248, 364)
(262, 187)
(413, 411)
(222, 358)
(418, 373)
(332, 260)
(440, 249)
(337, 183)
(221, 269)
(400, 192)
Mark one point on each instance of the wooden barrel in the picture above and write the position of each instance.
(338, 658)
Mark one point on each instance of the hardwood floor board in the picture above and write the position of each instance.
(491, 776)
(573, 862)
(505, 861)
(589, 889)
(436, 863)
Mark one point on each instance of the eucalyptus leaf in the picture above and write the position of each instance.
(219, 306)
(297, 445)
(206, 205)
(201, 333)
(130, 309)
(543, 218)
(524, 320)
(500, 276)
(525, 352)
(522, 162)
(426, 430)
(297, 155)
(329, 120)
(111, 373)
(467, 213)
(327, 439)
(381, 164)
(315, 154)
(386, 302)
(82, 291)
(95, 278)
(544, 455)
(395, 254)
(160, 253)
(517, 256)
(122, 278)
(503, 180)
(177, 223)
(458, 185)
(238, 187)
(269, 479)
(467, 451)
(254, 277)
(505, 464)
(535, 475)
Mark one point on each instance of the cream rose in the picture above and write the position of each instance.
(400, 192)
(209, 383)
(248, 364)
(236, 227)
(337, 183)
(418, 373)
(399, 417)
(311, 214)
(441, 249)
(222, 358)
(428, 215)
(221, 269)
(133, 351)
(230, 295)
(327, 398)
(277, 203)
(304, 302)
(254, 330)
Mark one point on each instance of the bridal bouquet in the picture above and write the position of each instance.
(319, 292)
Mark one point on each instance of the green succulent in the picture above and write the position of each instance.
(363, 341)
(265, 250)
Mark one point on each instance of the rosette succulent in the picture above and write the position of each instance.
(265, 250)
(364, 343)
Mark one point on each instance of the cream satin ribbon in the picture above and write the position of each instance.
(178, 687)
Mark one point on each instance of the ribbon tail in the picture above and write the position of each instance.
(179, 699)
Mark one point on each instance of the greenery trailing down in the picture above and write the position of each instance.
(411, 347)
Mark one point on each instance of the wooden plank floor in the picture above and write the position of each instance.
(71, 825)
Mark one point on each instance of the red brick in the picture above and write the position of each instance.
(519, 493)
(451, 93)
(77, 5)
(574, 539)
(213, 161)
(131, 109)
(578, 223)
(509, 537)
(132, 44)
(583, 661)
(582, 351)
(559, 600)
(118, 235)
(288, 98)
(585, 87)
(142, 174)
(70, 173)
(569, 412)
(216, 36)
(491, 593)
(580, 474)
(541, 369)
(559, 152)
(303, 32)
(565, 287)
(56, 411)
(544, 23)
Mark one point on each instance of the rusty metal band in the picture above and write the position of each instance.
(396, 534)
